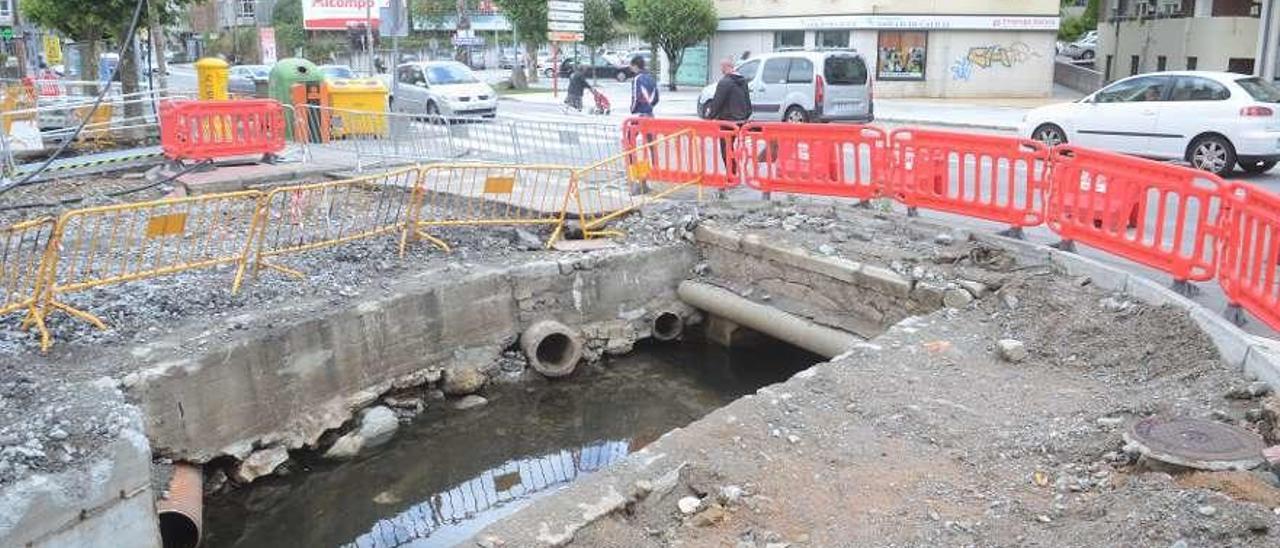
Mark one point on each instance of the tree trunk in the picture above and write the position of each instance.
(532, 53)
(128, 71)
(673, 65)
(158, 48)
(89, 62)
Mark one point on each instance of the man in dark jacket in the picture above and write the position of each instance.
(731, 103)
(577, 86)
(644, 89)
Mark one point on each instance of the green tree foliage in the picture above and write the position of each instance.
(601, 28)
(290, 34)
(530, 20)
(1072, 28)
(673, 25)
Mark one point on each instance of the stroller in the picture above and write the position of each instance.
(602, 103)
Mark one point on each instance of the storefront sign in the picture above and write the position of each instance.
(339, 14)
(894, 22)
(267, 38)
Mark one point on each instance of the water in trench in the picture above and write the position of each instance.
(450, 473)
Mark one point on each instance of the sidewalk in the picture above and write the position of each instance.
(993, 114)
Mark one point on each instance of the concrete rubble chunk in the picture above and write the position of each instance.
(957, 297)
(689, 505)
(470, 402)
(378, 425)
(261, 463)
(463, 381)
(1011, 350)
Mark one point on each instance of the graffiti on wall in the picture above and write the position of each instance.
(986, 57)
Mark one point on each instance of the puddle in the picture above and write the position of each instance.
(449, 474)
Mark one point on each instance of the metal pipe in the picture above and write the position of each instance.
(180, 512)
(780, 325)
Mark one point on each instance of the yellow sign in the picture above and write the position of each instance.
(166, 225)
(499, 185)
(639, 171)
(52, 50)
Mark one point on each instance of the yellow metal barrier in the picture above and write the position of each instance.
(22, 250)
(301, 218)
(116, 244)
(620, 184)
(487, 194)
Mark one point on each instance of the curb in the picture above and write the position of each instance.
(921, 122)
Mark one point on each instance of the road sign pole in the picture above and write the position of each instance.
(555, 70)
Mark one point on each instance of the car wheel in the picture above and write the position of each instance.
(1257, 167)
(1087, 55)
(548, 73)
(704, 110)
(1212, 153)
(621, 76)
(1050, 135)
(796, 115)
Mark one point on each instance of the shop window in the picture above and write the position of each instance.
(902, 55)
(1161, 62)
(788, 39)
(1240, 65)
(833, 39)
(1192, 63)
(1133, 65)
(1106, 76)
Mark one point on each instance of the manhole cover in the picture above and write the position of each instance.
(1196, 443)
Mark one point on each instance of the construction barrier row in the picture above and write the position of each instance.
(1186, 223)
(213, 130)
(42, 261)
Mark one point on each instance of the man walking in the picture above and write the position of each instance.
(644, 90)
(731, 103)
(577, 86)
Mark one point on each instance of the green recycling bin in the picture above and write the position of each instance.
(299, 83)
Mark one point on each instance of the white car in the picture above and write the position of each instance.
(1213, 120)
(805, 86)
(444, 88)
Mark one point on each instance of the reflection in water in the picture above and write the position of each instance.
(449, 474)
(484, 498)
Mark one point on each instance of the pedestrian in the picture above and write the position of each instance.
(644, 89)
(731, 103)
(577, 86)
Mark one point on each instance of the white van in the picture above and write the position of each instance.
(805, 86)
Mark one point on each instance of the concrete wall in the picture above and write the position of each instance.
(289, 384)
(1072, 76)
(781, 8)
(1212, 40)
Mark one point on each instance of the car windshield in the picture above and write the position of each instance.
(338, 72)
(1260, 89)
(443, 75)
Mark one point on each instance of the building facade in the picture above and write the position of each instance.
(916, 48)
(1137, 36)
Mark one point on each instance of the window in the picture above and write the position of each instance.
(775, 70)
(845, 70)
(748, 70)
(1135, 90)
(1240, 65)
(902, 55)
(410, 75)
(1161, 61)
(801, 71)
(1260, 90)
(247, 8)
(1192, 62)
(1133, 65)
(788, 39)
(6, 9)
(833, 39)
(1191, 88)
(1106, 76)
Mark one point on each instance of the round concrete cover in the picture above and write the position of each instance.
(1196, 443)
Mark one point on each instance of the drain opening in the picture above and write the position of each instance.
(554, 350)
(668, 326)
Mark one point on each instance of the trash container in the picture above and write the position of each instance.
(299, 83)
(359, 108)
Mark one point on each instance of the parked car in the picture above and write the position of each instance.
(446, 88)
(337, 72)
(604, 67)
(1213, 120)
(805, 86)
(1084, 49)
(244, 79)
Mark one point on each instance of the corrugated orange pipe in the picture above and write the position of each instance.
(180, 511)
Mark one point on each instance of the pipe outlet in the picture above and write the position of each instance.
(181, 512)
(552, 348)
(668, 326)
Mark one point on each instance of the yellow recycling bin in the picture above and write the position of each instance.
(359, 108)
(212, 77)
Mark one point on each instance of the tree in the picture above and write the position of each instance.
(530, 20)
(599, 25)
(673, 26)
(286, 18)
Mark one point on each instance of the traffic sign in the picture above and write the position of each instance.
(564, 16)
(565, 36)
(468, 40)
(569, 5)
(564, 27)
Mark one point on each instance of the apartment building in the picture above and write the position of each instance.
(917, 48)
(1137, 36)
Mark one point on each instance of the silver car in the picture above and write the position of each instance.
(805, 86)
(445, 88)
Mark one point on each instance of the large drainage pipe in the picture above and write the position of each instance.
(180, 512)
(780, 325)
(667, 326)
(552, 348)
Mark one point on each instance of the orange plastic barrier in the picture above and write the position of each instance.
(210, 130)
(1000, 179)
(717, 141)
(823, 159)
(1160, 215)
(1249, 270)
